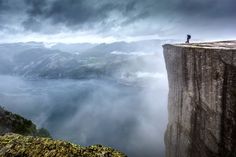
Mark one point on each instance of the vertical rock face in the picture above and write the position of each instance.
(202, 99)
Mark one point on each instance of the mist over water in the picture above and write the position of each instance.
(129, 114)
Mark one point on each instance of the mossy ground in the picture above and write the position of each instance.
(14, 145)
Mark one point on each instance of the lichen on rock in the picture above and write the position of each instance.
(14, 145)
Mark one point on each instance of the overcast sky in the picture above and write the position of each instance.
(112, 20)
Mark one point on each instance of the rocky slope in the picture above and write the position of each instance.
(202, 99)
(10, 122)
(33, 142)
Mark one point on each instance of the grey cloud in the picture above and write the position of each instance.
(2, 5)
(208, 9)
(78, 12)
(32, 24)
(101, 16)
(11, 12)
(36, 7)
(74, 13)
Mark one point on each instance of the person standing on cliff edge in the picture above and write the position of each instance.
(188, 38)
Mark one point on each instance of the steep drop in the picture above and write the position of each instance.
(202, 99)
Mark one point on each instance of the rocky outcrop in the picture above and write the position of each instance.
(202, 99)
(14, 145)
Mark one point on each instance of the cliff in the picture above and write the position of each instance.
(202, 99)
(20, 138)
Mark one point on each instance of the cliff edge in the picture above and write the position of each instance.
(202, 99)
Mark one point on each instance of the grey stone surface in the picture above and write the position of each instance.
(202, 99)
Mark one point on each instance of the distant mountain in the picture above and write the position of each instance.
(73, 48)
(113, 60)
(8, 50)
(139, 46)
(55, 64)
(45, 63)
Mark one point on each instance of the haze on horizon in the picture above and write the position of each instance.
(98, 21)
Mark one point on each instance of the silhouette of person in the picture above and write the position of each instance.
(188, 38)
